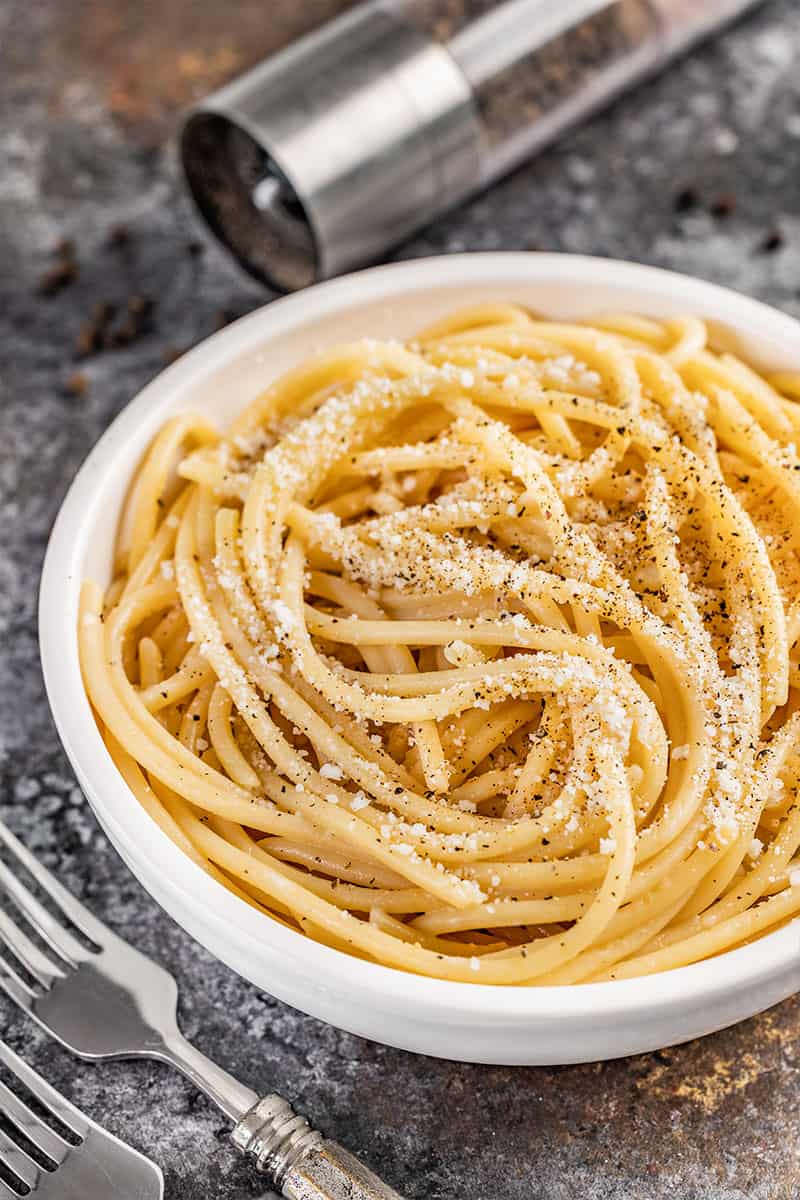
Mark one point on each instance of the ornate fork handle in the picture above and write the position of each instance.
(302, 1163)
(299, 1161)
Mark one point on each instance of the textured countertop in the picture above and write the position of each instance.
(699, 171)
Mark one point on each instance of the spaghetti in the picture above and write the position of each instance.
(475, 656)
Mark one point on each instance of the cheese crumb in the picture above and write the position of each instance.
(331, 771)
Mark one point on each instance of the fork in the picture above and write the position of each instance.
(91, 1165)
(112, 1001)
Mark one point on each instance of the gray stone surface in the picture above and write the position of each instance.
(89, 93)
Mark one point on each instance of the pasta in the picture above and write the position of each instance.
(475, 656)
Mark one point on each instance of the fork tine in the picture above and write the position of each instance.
(35, 1130)
(77, 912)
(52, 1100)
(57, 937)
(27, 953)
(15, 1159)
(17, 989)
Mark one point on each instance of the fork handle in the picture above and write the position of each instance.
(296, 1157)
(299, 1160)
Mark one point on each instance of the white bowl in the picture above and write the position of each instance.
(470, 1022)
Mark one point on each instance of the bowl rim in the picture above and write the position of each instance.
(694, 986)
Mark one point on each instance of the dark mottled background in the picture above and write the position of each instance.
(699, 171)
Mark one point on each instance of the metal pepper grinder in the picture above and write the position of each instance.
(321, 158)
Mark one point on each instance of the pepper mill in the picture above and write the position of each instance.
(324, 156)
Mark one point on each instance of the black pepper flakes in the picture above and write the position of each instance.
(771, 242)
(63, 271)
(685, 200)
(723, 206)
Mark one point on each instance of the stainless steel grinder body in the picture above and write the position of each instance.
(324, 156)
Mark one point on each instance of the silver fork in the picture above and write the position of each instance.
(93, 1166)
(114, 1002)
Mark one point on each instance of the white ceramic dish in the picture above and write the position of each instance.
(474, 1023)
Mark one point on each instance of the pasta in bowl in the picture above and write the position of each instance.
(471, 654)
